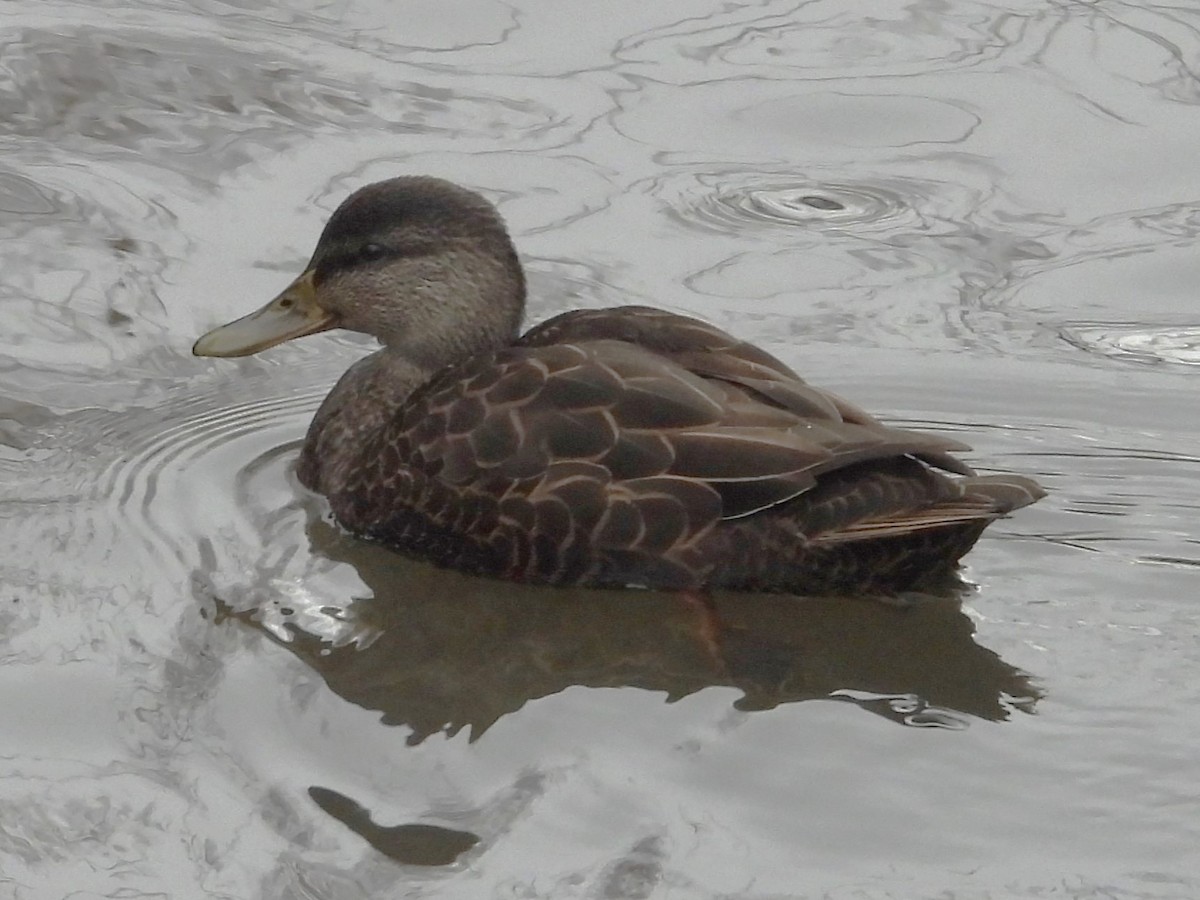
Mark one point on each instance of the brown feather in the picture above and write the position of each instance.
(611, 438)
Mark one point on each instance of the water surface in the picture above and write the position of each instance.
(969, 217)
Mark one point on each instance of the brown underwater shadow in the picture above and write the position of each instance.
(455, 651)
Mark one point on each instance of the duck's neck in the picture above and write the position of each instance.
(365, 398)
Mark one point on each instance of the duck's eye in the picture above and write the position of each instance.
(371, 251)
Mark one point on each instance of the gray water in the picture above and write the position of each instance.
(974, 218)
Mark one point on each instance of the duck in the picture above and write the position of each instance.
(620, 447)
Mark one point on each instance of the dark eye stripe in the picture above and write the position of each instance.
(367, 254)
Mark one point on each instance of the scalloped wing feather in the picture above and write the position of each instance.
(633, 445)
(637, 396)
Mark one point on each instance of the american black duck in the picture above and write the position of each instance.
(617, 447)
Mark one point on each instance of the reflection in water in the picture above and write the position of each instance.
(416, 845)
(168, 96)
(447, 651)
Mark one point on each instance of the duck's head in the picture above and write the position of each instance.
(423, 265)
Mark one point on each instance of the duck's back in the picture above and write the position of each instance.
(636, 446)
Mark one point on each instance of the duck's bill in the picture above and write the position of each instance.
(292, 314)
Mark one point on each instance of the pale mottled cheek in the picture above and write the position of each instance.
(364, 308)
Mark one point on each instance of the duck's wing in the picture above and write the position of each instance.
(711, 353)
(633, 433)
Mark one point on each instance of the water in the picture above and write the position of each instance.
(968, 217)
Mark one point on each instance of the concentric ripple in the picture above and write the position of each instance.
(1137, 343)
(184, 478)
(820, 205)
(898, 38)
(727, 203)
(141, 489)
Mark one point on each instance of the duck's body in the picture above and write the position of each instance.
(627, 446)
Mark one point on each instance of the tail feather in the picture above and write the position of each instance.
(1006, 492)
(984, 498)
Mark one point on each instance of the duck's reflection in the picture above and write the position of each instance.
(442, 651)
(412, 844)
(455, 651)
